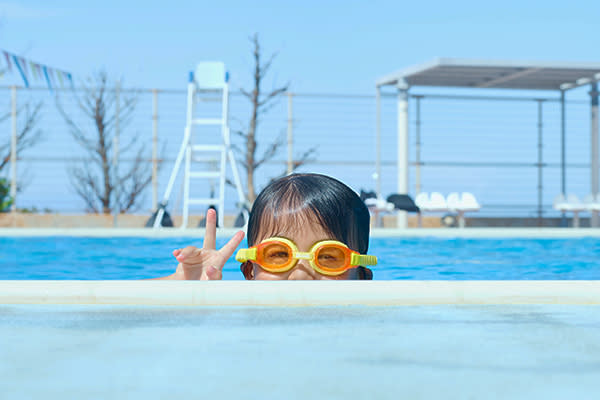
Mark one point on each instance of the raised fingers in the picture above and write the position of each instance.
(227, 250)
(212, 274)
(187, 254)
(211, 230)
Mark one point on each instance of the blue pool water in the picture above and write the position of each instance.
(399, 258)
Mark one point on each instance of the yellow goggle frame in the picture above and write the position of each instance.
(328, 257)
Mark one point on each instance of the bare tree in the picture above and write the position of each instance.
(261, 102)
(27, 136)
(97, 181)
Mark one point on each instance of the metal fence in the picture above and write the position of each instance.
(505, 150)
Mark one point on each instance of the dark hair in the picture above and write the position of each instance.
(311, 198)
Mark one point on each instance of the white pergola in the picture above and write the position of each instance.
(490, 74)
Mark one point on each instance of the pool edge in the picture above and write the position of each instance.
(288, 293)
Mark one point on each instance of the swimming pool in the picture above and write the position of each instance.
(400, 258)
(449, 317)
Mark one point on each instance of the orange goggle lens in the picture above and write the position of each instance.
(278, 256)
(274, 255)
(332, 258)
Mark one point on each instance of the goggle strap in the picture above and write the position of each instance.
(362, 259)
(244, 255)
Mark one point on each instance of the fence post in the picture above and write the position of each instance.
(290, 134)
(116, 154)
(154, 149)
(594, 220)
(540, 165)
(13, 149)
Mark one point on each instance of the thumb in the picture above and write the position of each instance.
(212, 274)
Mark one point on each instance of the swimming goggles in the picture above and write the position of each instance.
(329, 257)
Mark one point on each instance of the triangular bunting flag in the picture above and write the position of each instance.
(8, 63)
(60, 78)
(30, 70)
(21, 71)
(45, 70)
(33, 70)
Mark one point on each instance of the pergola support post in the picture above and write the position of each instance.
(402, 216)
(594, 149)
(378, 143)
(418, 145)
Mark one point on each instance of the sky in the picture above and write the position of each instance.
(326, 47)
(323, 46)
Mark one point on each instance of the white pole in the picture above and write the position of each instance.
(418, 146)
(378, 143)
(594, 151)
(402, 219)
(187, 133)
(563, 156)
(290, 135)
(13, 150)
(563, 134)
(154, 149)
(540, 163)
(116, 155)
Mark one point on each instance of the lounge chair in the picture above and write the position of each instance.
(592, 202)
(460, 204)
(378, 206)
(437, 202)
(570, 204)
(469, 202)
(403, 202)
(422, 200)
(434, 202)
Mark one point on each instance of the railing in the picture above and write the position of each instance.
(505, 150)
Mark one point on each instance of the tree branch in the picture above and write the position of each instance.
(96, 181)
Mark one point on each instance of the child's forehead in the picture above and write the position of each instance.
(292, 226)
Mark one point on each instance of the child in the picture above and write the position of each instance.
(299, 228)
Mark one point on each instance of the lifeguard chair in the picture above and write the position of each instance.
(209, 82)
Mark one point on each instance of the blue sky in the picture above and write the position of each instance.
(324, 46)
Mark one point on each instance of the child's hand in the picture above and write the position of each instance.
(206, 263)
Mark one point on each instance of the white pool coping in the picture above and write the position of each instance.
(378, 232)
(289, 293)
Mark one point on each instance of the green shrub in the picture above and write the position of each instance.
(5, 199)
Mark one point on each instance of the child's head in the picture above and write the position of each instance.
(307, 208)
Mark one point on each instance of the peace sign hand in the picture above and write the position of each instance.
(206, 263)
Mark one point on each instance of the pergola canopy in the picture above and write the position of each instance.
(470, 73)
(493, 74)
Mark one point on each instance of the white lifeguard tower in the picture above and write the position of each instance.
(208, 82)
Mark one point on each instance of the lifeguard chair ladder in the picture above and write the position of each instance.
(209, 76)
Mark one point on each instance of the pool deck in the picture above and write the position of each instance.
(300, 294)
(522, 352)
(376, 232)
